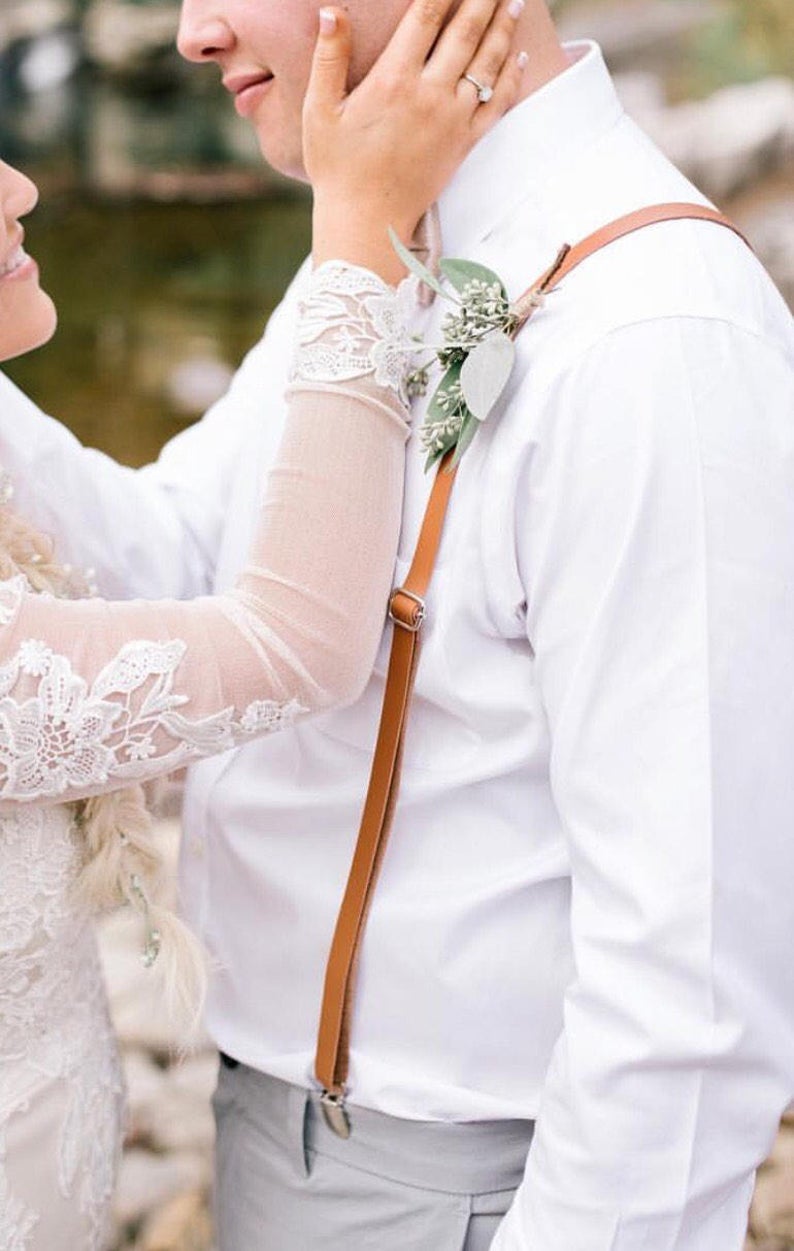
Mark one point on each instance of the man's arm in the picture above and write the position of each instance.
(657, 544)
(155, 531)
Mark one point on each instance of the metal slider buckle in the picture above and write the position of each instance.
(414, 623)
(335, 1113)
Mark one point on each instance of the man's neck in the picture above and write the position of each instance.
(537, 35)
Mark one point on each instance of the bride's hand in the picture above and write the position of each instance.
(380, 155)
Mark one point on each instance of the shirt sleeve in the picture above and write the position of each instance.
(95, 694)
(656, 534)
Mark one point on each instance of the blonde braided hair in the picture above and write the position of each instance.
(121, 860)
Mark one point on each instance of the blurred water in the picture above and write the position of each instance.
(158, 300)
(157, 305)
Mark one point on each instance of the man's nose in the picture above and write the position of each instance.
(202, 34)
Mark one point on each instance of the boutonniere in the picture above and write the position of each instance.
(476, 357)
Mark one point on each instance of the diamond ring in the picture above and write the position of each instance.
(484, 93)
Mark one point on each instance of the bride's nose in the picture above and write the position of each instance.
(203, 34)
(18, 195)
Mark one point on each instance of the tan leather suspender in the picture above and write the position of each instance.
(407, 611)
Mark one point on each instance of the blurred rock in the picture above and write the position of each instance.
(128, 40)
(49, 61)
(147, 1182)
(195, 384)
(642, 94)
(772, 1213)
(771, 230)
(163, 1196)
(180, 1119)
(638, 33)
(732, 139)
(725, 143)
(184, 1224)
(146, 1083)
(27, 19)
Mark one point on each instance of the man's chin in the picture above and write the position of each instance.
(285, 160)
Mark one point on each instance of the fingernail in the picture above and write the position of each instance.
(328, 21)
(515, 8)
(523, 60)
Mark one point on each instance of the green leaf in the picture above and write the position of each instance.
(470, 428)
(414, 266)
(486, 372)
(449, 379)
(461, 272)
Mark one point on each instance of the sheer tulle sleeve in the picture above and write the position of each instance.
(94, 694)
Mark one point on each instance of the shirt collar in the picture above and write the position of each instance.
(530, 144)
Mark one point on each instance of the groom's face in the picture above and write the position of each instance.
(270, 43)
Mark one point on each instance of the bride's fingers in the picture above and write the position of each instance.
(417, 34)
(331, 63)
(454, 57)
(478, 80)
(504, 96)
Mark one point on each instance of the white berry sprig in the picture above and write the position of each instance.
(477, 355)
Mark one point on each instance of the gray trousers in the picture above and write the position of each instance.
(285, 1182)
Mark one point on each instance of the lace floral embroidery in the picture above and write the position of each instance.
(67, 735)
(353, 324)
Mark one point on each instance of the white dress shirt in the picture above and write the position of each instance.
(586, 912)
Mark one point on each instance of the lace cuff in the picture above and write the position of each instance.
(353, 324)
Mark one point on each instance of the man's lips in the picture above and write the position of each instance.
(248, 90)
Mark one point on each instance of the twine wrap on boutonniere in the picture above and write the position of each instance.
(478, 352)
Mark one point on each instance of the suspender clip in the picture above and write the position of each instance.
(335, 1113)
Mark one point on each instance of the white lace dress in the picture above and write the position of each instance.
(94, 695)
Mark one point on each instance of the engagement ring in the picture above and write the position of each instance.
(484, 93)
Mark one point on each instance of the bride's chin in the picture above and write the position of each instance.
(29, 327)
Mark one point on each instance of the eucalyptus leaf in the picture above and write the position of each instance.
(435, 413)
(415, 266)
(485, 373)
(452, 375)
(460, 273)
(470, 427)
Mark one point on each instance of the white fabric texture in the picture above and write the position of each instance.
(584, 913)
(93, 694)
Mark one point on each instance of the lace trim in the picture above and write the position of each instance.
(66, 735)
(353, 324)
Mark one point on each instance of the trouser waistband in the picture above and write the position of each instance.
(455, 1157)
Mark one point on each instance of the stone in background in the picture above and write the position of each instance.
(164, 1185)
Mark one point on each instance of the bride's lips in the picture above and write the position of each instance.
(248, 90)
(17, 266)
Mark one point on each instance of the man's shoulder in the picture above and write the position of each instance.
(685, 269)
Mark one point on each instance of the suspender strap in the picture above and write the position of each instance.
(570, 257)
(407, 611)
